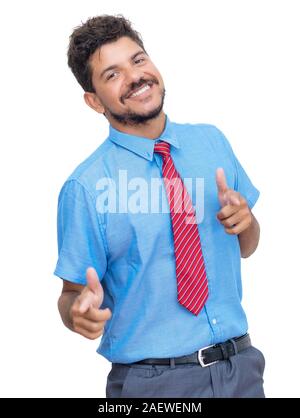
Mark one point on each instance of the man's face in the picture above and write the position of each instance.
(129, 88)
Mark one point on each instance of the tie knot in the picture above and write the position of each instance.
(162, 148)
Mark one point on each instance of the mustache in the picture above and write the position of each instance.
(135, 86)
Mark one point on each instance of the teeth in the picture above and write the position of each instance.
(141, 91)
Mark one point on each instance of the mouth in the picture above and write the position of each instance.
(140, 91)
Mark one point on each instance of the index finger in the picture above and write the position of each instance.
(221, 180)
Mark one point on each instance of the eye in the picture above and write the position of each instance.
(139, 60)
(111, 75)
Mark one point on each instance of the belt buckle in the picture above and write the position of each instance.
(201, 357)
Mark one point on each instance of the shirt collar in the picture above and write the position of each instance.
(144, 146)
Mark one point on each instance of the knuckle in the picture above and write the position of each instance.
(93, 335)
(74, 309)
(247, 210)
(108, 316)
(95, 326)
(76, 327)
(86, 334)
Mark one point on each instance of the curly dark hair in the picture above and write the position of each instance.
(91, 35)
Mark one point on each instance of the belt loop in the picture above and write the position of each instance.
(224, 351)
(172, 363)
(234, 345)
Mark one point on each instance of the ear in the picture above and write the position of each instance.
(93, 101)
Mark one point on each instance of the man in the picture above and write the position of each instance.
(169, 303)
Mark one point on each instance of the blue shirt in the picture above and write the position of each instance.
(133, 251)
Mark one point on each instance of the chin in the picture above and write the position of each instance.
(145, 108)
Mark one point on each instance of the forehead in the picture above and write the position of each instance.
(113, 53)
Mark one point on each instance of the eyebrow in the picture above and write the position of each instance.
(112, 67)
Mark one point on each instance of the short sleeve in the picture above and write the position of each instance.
(242, 182)
(79, 235)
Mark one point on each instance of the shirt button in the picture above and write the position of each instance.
(214, 321)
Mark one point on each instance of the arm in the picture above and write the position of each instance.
(249, 238)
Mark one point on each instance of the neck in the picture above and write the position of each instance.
(151, 129)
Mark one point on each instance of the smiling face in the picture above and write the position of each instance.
(129, 89)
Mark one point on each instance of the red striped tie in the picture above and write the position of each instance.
(192, 286)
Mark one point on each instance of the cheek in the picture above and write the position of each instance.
(111, 95)
(157, 74)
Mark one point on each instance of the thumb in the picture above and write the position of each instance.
(93, 294)
(93, 282)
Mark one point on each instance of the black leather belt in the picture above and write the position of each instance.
(207, 355)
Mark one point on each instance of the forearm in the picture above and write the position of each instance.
(249, 238)
(64, 304)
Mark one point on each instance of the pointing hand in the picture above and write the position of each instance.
(88, 319)
(235, 214)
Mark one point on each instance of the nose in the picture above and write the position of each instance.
(133, 75)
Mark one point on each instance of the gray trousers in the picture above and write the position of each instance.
(241, 376)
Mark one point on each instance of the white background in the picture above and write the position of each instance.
(232, 63)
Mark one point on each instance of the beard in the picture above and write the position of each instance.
(133, 118)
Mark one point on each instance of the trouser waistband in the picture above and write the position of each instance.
(206, 355)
